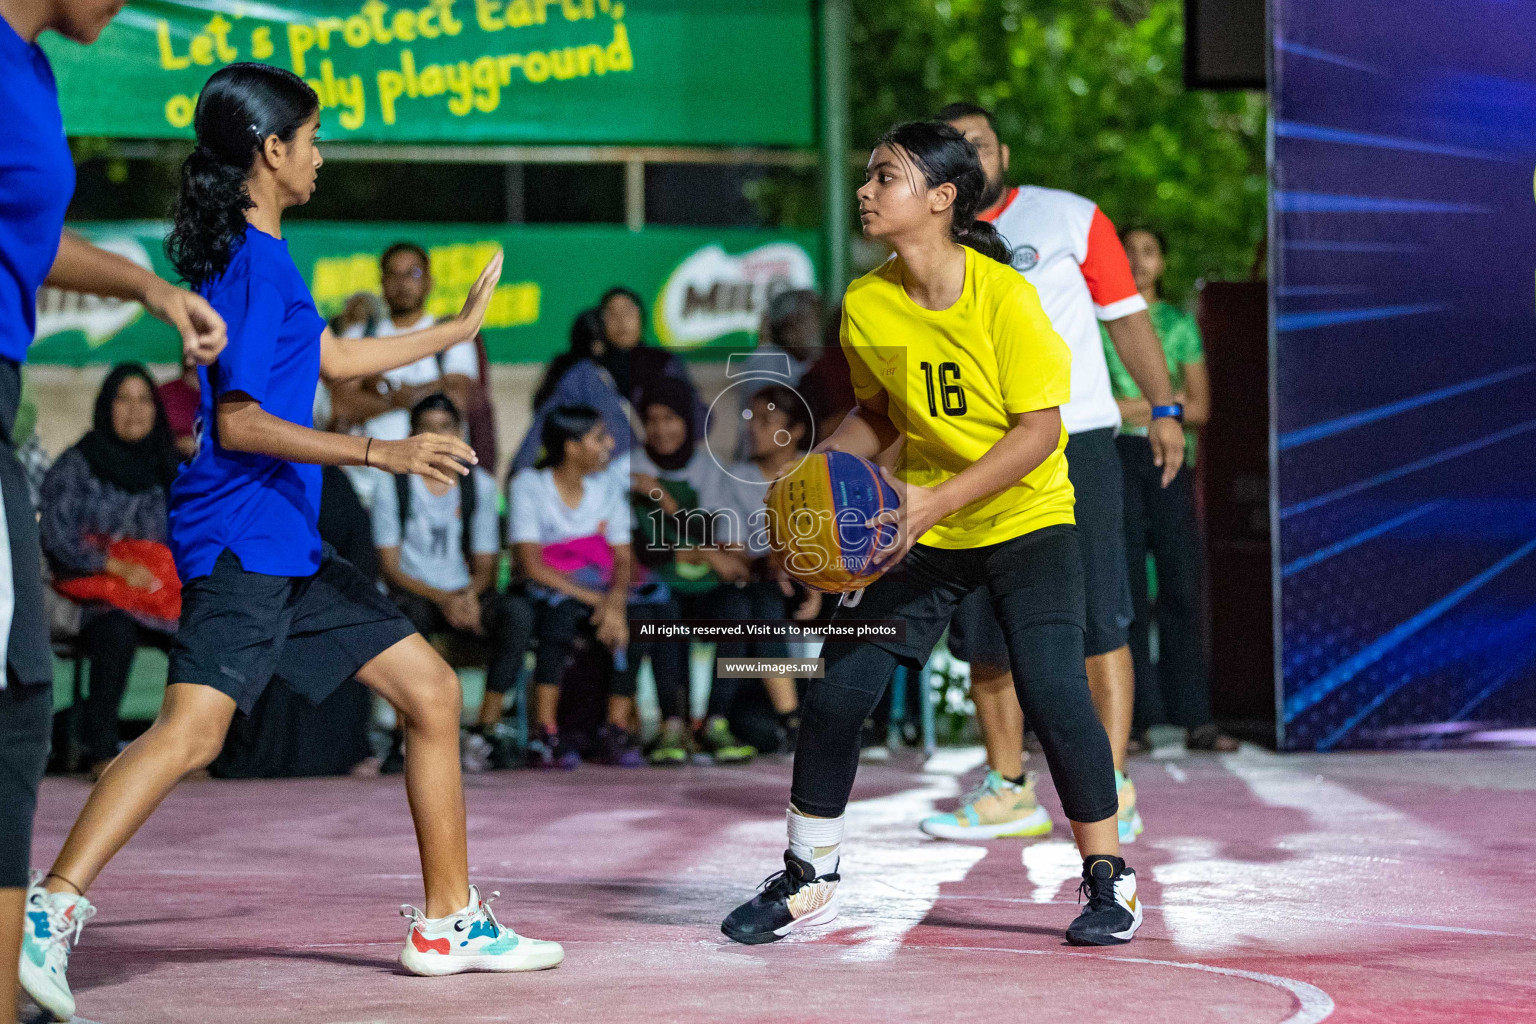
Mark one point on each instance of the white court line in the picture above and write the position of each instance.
(1314, 1004)
(1311, 919)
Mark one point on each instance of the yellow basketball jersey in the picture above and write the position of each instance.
(954, 376)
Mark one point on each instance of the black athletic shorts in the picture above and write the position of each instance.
(239, 629)
(26, 723)
(1093, 464)
(29, 653)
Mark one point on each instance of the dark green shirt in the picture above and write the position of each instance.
(1180, 337)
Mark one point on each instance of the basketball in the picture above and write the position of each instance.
(816, 521)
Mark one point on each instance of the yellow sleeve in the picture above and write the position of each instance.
(864, 383)
(1034, 364)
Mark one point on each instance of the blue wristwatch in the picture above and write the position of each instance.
(1176, 411)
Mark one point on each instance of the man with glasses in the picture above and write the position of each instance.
(381, 406)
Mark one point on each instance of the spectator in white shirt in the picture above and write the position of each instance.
(570, 527)
(439, 549)
(380, 406)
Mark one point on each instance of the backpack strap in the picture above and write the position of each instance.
(403, 501)
(468, 497)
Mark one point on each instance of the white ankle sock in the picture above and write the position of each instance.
(439, 922)
(815, 840)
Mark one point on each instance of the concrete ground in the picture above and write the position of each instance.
(1350, 888)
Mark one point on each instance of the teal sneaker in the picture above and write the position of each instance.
(1130, 817)
(994, 809)
(52, 924)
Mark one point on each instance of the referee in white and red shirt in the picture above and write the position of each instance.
(1065, 246)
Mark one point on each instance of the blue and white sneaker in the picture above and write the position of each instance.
(994, 809)
(1130, 817)
(471, 940)
(52, 924)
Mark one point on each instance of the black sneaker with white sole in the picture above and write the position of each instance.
(789, 900)
(1113, 912)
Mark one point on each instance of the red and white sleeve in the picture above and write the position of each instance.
(1108, 272)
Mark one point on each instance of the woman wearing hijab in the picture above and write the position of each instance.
(680, 495)
(634, 365)
(111, 488)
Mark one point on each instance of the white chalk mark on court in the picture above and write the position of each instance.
(1313, 1004)
(883, 854)
(1175, 773)
(883, 842)
(1341, 843)
(1051, 865)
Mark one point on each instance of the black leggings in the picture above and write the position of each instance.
(26, 712)
(558, 625)
(112, 638)
(1036, 586)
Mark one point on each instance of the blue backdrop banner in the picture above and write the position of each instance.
(1404, 324)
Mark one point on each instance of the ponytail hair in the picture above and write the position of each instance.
(240, 106)
(943, 155)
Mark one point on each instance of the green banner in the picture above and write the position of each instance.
(660, 72)
(706, 288)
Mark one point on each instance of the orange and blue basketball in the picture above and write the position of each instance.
(816, 521)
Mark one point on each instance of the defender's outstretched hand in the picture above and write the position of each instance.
(479, 298)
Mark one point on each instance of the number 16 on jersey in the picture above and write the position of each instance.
(949, 390)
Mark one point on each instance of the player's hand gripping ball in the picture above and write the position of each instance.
(816, 521)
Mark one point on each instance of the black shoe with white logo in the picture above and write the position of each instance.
(790, 899)
(1113, 913)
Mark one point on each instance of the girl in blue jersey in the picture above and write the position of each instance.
(262, 595)
(37, 179)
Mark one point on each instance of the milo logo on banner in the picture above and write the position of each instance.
(712, 293)
(97, 318)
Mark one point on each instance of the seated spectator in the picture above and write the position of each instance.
(1161, 520)
(779, 433)
(678, 487)
(792, 324)
(826, 384)
(380, 406)
(575, 377)
(103, 529)
(179, 398)
(570, 527)
(439, 549)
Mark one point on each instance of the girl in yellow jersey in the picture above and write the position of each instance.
(951, 354)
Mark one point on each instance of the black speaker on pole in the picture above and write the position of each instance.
(1224, 44)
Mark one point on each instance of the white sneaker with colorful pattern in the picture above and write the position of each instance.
(471, 940)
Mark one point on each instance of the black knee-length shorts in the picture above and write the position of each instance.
(239, 629)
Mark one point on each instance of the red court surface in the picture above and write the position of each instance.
(1391, 888)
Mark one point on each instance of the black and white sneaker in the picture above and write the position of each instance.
(789, 900)
(1113, 913)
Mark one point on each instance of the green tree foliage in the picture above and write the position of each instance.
(1089, 97)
